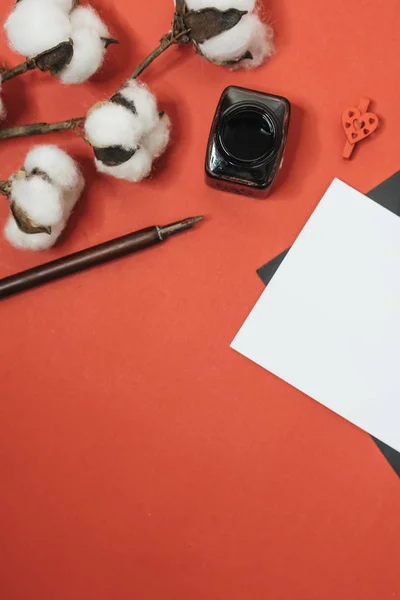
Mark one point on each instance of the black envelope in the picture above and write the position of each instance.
(387, 194)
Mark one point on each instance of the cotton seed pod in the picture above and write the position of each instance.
(225, 32)
(69, 42)
(249, 41)
(42, 196)
(127, 133)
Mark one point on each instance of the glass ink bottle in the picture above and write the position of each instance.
(247, 141)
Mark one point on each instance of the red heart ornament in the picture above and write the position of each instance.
(357, 125)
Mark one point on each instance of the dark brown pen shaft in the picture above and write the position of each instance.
(80, 261)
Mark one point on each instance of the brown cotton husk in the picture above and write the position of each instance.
(26, 224)
(39, 173)
(22, 220)
(109, 41)
(112, 156)
(201, 25)
(122, 101)
(209, 22)
(56, 59)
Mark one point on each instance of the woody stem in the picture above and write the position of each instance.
(166, 42)
(40, 128)
(151, 58)
(28, 65)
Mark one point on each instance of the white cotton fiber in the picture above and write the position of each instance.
(110, 124)
(221, 4)
(56, 163)
(37, 25)
(85, 17)
(89, 50)
(46, 202)
(71, 196)
(38, 198)
(231, 44)
(157, 140)
(261, 45)
(135, 169)
(145, 103)
(65, 5)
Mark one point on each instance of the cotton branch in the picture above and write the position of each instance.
(166, 42)
(28, 65)
(202, 28)
(53, 61)
(40, 128)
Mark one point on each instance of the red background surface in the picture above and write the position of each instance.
(140, 457)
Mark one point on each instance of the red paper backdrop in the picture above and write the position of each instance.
(140, 457)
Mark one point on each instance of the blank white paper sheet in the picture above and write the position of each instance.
(329, 321)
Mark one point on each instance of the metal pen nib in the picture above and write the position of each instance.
(177, 227)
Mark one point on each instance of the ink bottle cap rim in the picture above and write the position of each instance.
(269, 119)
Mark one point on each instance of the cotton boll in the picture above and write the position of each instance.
(135, 169)
(123, 123)
(85, 17)
(39, 199)
(43, 241)
(45, 202)
(37, 25)
(221, 4)
(145, 103)
(157, 140)
(110, 124)
(89, 50)
(56, 163)
(231, 44)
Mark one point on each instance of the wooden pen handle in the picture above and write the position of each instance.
(79, 261)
